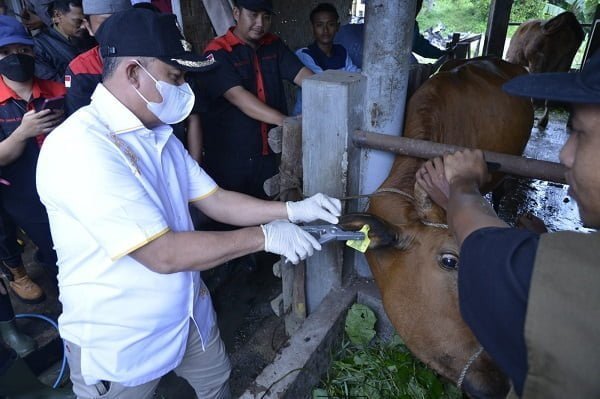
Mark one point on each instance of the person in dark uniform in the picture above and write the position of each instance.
(532, 300)
(85, 71)
(23, 128)
(246, 98)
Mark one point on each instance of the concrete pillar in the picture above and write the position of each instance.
(332, 109)
(386, 63)
(387, 50)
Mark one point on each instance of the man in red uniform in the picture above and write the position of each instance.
(85, 71)
(246, 98)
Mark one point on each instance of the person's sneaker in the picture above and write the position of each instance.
(21, 284)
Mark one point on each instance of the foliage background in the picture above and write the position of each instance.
(471, 15)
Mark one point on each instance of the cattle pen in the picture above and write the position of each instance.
(336, 105)
(317, 293)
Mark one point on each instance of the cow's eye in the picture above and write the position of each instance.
(448, 261)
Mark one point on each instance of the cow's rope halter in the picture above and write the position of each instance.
(463, 373)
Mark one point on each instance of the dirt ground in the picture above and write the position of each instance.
(250, 330)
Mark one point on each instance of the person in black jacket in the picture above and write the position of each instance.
(55, 47)
(84, 72)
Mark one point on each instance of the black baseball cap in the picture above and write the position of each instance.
(143, 33)
(577, 87)
(256, 5)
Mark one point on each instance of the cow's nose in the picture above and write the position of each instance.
(485, 380)
(490, 390)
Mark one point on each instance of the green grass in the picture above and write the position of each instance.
(377, 369)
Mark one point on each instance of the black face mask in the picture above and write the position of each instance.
(17, 67)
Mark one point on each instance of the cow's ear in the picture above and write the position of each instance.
(553, 25)
(426, 209)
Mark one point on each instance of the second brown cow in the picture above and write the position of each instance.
(546, 46)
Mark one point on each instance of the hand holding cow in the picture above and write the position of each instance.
(467, 166)
(432, 179)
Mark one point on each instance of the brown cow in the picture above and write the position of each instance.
(546, 46)
(413, 256)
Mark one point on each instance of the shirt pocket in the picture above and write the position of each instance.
(244, 69)
(269, 65)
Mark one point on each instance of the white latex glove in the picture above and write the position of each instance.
(319, 206)
(287, 239)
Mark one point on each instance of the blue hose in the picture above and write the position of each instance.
(53, 323)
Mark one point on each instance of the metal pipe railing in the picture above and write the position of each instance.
(510, 164)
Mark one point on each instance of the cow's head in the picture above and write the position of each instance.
(414, 260)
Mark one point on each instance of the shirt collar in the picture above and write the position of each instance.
(6, 93)
(118, 118)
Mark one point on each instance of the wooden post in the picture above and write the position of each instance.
(497, 27)
(332, 109)
(290, 180)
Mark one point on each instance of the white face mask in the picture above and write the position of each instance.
(177, 102)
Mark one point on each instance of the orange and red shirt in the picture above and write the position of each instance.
(21, 172)
(81, 78)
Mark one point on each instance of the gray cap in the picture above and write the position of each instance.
(95, 7)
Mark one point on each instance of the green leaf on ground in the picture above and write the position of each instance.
(360, 324)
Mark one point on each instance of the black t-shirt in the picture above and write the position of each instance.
(494, 276)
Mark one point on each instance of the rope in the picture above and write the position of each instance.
(385, 190)
(465, 369)
(294, 183)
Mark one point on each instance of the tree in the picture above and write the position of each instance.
(524, 10)
(583, 9)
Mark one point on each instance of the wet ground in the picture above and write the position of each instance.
(250, 330)
(546, 200)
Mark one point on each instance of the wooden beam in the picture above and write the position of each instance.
(497, 27)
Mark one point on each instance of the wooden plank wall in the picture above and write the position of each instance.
(196, 24)
(290, 22)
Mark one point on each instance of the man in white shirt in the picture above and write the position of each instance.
(116, 184)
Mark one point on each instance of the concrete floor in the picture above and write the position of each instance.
(546, 200)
